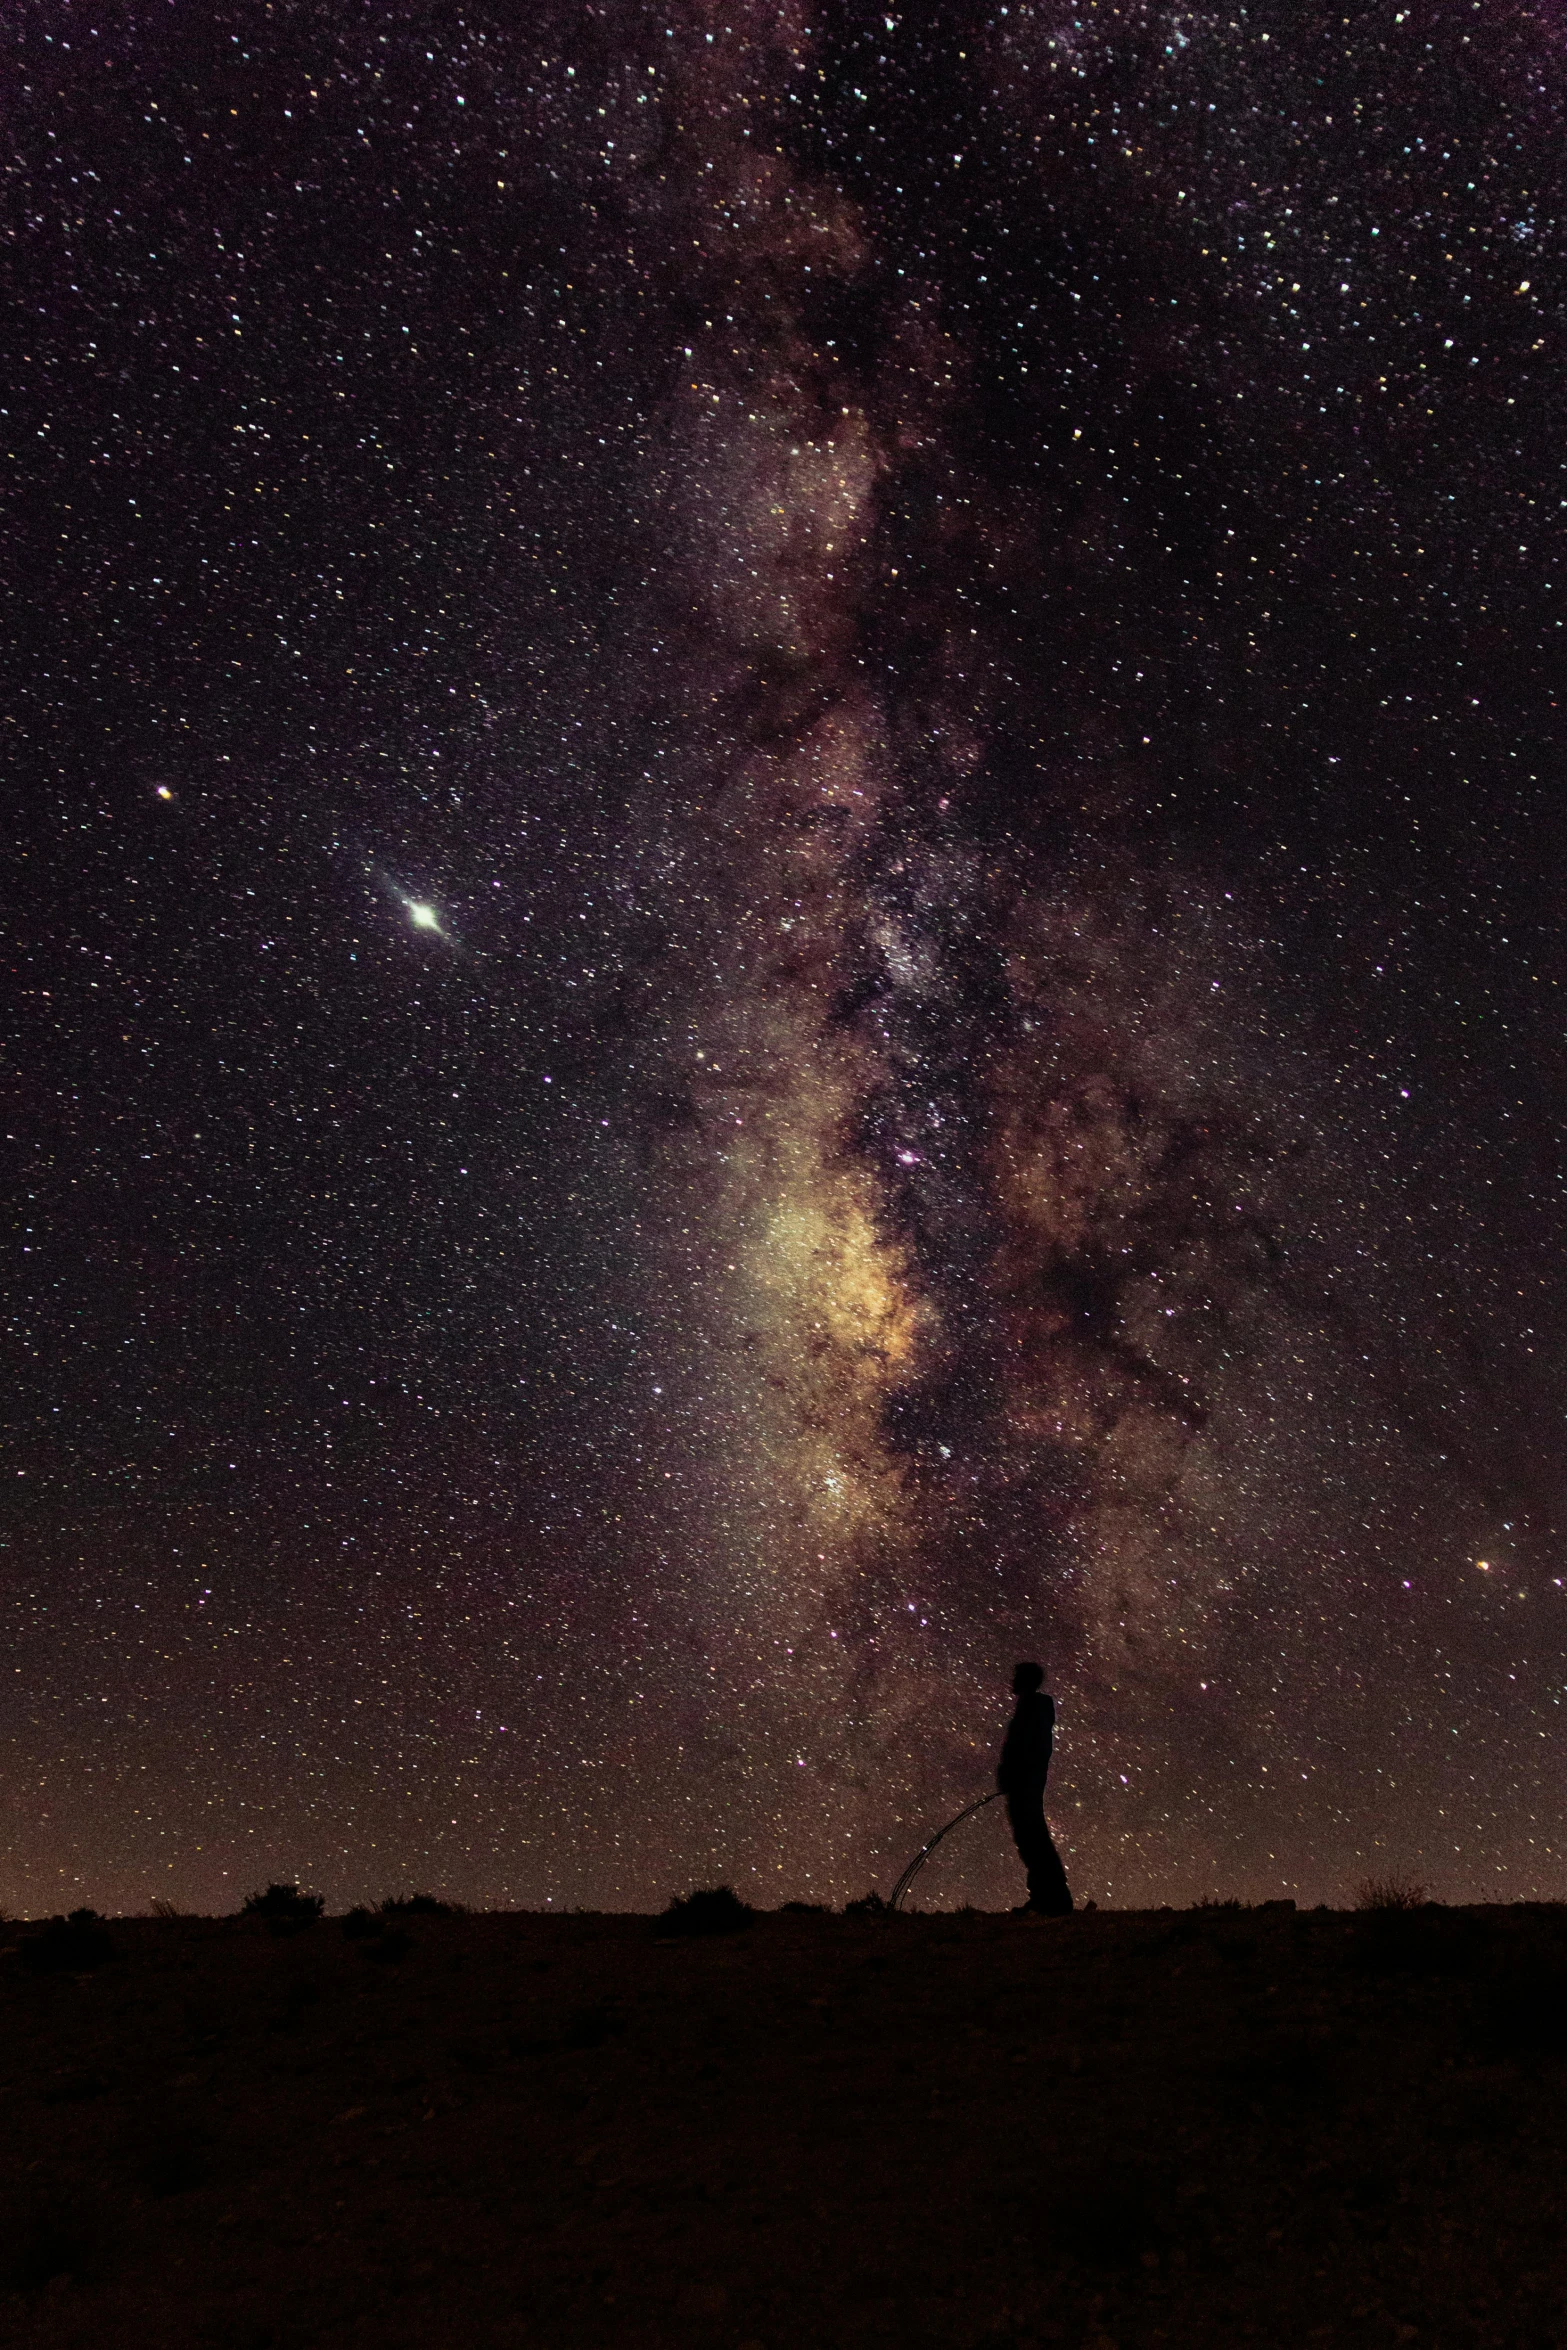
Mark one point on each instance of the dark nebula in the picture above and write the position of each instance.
(788, 808)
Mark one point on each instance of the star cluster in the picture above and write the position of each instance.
(788, 787)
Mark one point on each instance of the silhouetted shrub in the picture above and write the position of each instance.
(284, 1906)
(164, 1909)
(68, 1946)
(380, 1928)
(716, 1910)
(1208, 1904)
(1389, 1893)
(870, 1905)
(805, 1909)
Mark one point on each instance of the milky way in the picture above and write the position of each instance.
(804, 765)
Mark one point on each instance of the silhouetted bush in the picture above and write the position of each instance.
(717, 1910)
(1389, 1893)
(68, 1946)
(805, 1909)
(284, 1907)
(380, 1928)
(871, 1905)
(164, 1909)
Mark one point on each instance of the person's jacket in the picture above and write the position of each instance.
(1026, 1750)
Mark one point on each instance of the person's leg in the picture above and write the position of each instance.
(1047, 1886)
(1046, 1883)
(1022, 1814)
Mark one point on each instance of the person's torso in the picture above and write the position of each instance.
(1025, 1756)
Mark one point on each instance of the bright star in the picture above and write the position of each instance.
(422, 917)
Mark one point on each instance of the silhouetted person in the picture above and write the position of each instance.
(1021, 1775)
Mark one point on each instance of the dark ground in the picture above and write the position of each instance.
(1195, 2127)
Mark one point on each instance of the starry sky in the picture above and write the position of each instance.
(786, 812)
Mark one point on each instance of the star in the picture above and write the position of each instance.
(422, 917)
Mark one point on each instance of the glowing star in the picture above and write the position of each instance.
(422, 917)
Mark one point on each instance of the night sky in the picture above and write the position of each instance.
(787, 813)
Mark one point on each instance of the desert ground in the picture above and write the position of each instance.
(1203, 2127)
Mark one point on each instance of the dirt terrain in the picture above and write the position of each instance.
(1198, 2127)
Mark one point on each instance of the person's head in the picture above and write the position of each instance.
(1026, 1679)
